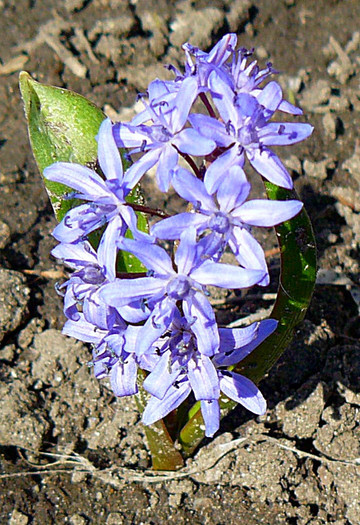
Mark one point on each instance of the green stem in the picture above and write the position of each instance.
(164, 455)
(297, 279)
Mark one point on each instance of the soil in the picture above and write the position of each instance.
(71, 452)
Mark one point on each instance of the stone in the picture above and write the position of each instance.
(14, 298)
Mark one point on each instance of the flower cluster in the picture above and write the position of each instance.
(161, 320)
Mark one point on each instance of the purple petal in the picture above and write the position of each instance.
(218, 169)
(270, 167)
(183, 102)
(190, 141)
(137, 170)
(192, 189)
(123, 378)
(75, 254)
(203, 378)
(286, 107)
(158, 408)
(107, 249)
(173, 227)
(233, 190)
(167, 163)
(284, 133)
(78, 177)
(240, 342)
(270, 97)
(263, 212)
(243, 391)
(153, 257)
(186, 254)
(162, 377)
(84, 331)
(249, 253)
(127, 136)
(210, 411)
(125, 291)
(223, 97)
(226, 275)
(200, 315)
(108, 153)
(222, 50)
(211, 128)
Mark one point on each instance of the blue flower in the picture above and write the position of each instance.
(106, 198)
(166, 287)
(228, 217)
(244, 129)
(181, 369)
(161, 141)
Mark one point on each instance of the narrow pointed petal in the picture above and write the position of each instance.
(200, 315)
(263, 212)
(242, 341)
(223, 97)
(284, 133)
(80, 178)
(193, 190)
(173, 227)
(286, 107)
(167, 163)
(141, 166)
(222, 50)
(210, 411)
(226, 275)
(153, 257)
(243, 391)
(123, 378)
(158, 408)
(203, 378)
(75, 254)
(233, 190)
(218, 169)
(125, 291)
(190, 141)
(270, 97)
(183, 102)
(211, 128)
(127, 136)
(186, 254)
(271, 168)
(108, 153)
(107, 249)
(162, 377)
(249, 253)
(84, 331)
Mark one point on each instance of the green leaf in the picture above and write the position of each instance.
(297, 280)
(62, 126)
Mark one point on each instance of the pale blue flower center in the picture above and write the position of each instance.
(160, 134)
(219, 222)
(179, 287)
(92, 274)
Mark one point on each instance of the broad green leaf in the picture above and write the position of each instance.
(62, 126)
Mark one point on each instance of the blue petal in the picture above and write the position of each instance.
(263, 212)
(193, 190)
(243, 391)
(218, 169)
(284, 133)
(153, 257)
(249, 253)
(226, 275)
(173, 227)
(125, 291)
(182, 104)
(200, 315)
(79, 177)
(123, 378)
(270, 97)
(84, 331)
(158, 408)
(108, 153)
(162, 377)
(240, 342)
(270, 167)
(190, 141)
(186, 254)
(233, 189)
(203, 378)
(210, 411)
